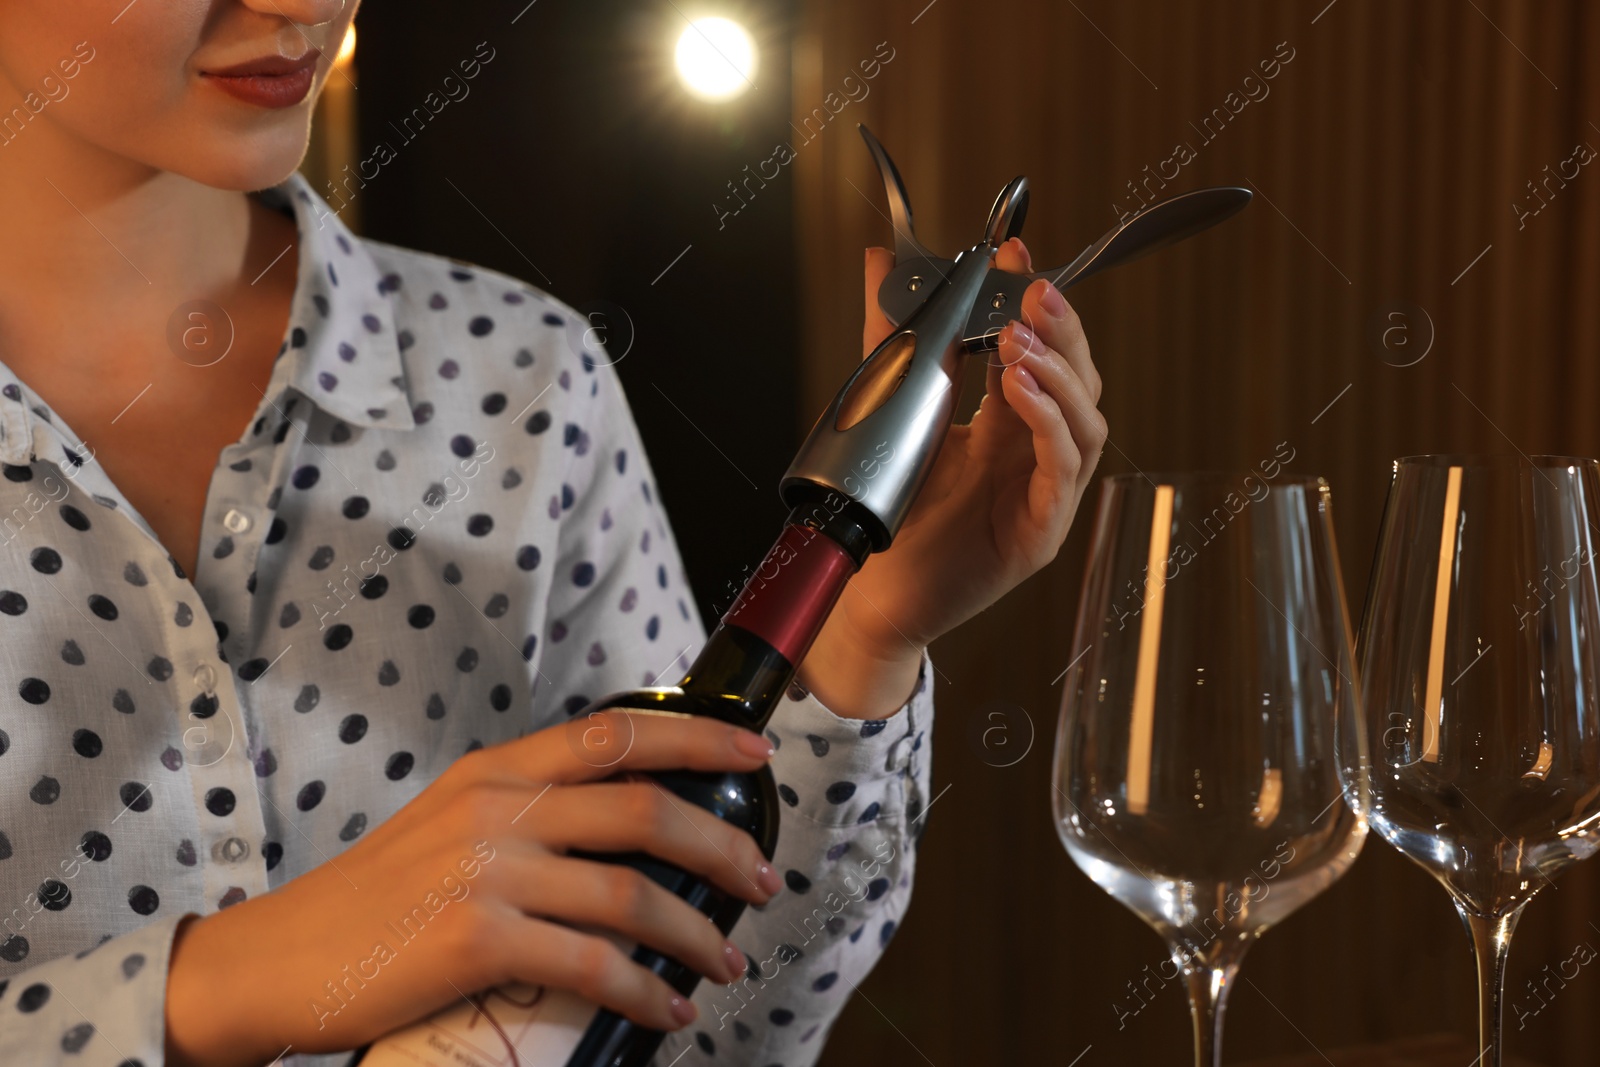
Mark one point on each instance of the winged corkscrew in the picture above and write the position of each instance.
(1158, 225)
(878, 439)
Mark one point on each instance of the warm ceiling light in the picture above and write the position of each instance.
(716, 58)
(347, 47)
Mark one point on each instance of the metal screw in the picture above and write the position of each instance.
(999, 300)
(915, 283)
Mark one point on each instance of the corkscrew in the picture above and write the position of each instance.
(878, 439)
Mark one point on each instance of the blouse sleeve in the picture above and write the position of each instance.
(105, 1005)
(619, 613)
(852, 790)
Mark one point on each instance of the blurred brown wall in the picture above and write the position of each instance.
(1388, 155)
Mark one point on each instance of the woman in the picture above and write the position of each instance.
(421, 533)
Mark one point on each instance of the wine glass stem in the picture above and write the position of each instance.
(1209, 985)
(1491, 941)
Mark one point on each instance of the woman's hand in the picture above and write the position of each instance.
(995, 509)
(477, 865)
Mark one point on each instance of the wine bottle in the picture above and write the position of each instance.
(741, 673)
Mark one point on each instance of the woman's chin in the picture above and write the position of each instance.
(244, 165)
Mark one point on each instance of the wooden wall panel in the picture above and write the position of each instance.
(1391, 149)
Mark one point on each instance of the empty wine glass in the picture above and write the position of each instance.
(1202, 724)
(1480, 666)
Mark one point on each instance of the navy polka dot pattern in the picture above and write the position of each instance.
(438, 532)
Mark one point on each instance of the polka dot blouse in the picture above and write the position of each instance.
(438, 532)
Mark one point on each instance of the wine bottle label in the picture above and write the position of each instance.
(513, 1026)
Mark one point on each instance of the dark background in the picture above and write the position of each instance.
(1387, 158)
(578, 163)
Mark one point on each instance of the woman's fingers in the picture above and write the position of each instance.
(1058, 378)
(644, 817)
(1046, 312)
(619, 899)
(1048, 348)
(600, 744)
(1014, 256)
(1068, 432)
(549, 954)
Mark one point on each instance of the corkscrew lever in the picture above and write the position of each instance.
(878, 439)
(906, 245)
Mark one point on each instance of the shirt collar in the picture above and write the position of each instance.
(342, 334)
(342, 340)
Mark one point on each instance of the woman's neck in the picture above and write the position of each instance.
(99, 245)
(100, 223)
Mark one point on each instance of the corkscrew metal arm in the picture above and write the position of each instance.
(877, 441)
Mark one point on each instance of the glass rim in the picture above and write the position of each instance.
(1216, 474)
(1492, 460)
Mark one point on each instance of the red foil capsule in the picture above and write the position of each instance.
(788, 598)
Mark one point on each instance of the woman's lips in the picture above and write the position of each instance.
(272, 82)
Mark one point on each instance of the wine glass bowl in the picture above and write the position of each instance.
(1212, 699)
(1480, 666)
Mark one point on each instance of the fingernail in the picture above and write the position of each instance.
(768, 879)
(1024, 338)
(752, 744)
(682, 1010)
(733, 960)
(1053, 303)
(1029, 382)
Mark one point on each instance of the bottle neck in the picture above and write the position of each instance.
(752, 656)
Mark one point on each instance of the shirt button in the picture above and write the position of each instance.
(230, 850)
(205, 677)
(236, 521)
